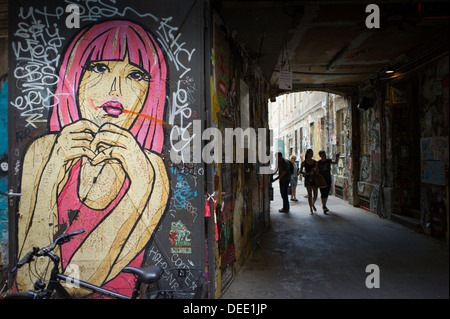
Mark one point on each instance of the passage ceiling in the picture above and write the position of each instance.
(327, 44)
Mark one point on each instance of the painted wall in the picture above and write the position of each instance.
(4, 260)
(370, 156)
(242, 198)
(404, 148)
(96, 110)
(434, 152)
(342, 172)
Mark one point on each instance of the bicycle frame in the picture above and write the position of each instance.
(43, 292)
(56, 285)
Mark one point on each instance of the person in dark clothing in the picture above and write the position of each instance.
(294, 179)
(310, 167)
(284, 175)
(325, 170)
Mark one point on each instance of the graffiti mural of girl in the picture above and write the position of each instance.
(100, 168)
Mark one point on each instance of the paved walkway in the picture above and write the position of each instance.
(325, 256)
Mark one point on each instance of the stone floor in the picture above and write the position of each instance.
(322, 256)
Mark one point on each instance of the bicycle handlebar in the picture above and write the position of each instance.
(45, 251)
(65, 238)
(25, 260)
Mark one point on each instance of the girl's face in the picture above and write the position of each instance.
(113, 92)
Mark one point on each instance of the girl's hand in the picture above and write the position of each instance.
(114, 143)
(74, 140)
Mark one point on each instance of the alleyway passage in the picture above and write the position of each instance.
(325, 256)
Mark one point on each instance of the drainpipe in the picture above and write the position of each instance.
(381, 208)
(208, 168)
(446, 191)
(355, 147)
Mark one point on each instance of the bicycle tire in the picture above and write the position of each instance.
(153, 291)
(19, 295)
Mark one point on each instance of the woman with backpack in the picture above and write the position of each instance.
(325, 170)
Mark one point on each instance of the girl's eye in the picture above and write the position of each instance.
(100, 68)
(138, 76)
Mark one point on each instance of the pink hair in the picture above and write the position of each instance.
(112, 40)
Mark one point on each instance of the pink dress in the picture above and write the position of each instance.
(88, 218)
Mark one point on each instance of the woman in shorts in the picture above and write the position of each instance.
(307, 168)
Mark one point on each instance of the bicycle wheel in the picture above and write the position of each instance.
(153, 291)
(20, 295)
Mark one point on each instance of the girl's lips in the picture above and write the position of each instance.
(113, 108)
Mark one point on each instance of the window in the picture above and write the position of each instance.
(323, 134)
(245, 108)
(301, 140)
(340, 132)
(245, 105)
(295, 143)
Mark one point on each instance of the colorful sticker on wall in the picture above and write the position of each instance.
(179, 238)
(434, 154)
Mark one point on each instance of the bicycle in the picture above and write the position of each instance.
(54, 288)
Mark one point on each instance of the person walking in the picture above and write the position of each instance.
(284, 175)
(294, 179)
(308, 168)
(324, 166)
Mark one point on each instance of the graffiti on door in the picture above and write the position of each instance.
(99, 102)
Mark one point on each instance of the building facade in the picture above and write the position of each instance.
(319, 121)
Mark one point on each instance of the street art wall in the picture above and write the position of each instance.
(404, 150)
(434, 153)
(404, 117)
(241, 195)
(370, 156)
(4, 260)
(342, 183)
(100, 93)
